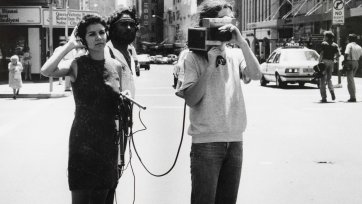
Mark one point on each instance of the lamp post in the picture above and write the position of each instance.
(51, 39)
(163, 25)
(67, 19)
(156, 16)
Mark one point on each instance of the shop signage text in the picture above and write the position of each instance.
(20, 15)
(60, 17)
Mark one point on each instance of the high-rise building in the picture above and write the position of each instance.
(267, 24)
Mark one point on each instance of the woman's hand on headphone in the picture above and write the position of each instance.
(74, 40)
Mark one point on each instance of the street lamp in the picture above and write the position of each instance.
(156, 16)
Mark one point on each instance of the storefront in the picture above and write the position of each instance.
(262, 38)
(28, 27)
(20, 28)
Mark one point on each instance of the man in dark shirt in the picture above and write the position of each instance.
(329, 55)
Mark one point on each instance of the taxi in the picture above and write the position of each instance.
(292, 64)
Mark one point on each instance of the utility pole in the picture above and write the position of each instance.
(67, 19)
(339, 85)
(51, 39)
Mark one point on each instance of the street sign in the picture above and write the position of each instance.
(338, 12)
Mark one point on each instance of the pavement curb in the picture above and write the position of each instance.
(39, 95)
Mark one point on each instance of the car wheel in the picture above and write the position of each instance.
(279, 81)
(263, 81)
(301, 84)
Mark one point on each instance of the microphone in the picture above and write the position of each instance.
(132, 101)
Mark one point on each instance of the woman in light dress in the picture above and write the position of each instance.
(15, 69)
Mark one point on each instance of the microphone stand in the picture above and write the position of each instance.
(123, 129)
(132, 101)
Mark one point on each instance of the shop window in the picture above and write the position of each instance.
(13, 40)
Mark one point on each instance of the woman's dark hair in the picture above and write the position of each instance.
(114, 17)
(211, 8)
(87, 20)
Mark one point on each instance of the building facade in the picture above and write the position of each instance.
(267, 24)
(26, 24)
(151, 19)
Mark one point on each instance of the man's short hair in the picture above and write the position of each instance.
(352, 37)
(115, 16)
(211, 8)
(329, 34)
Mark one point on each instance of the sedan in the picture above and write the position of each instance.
(293, 64)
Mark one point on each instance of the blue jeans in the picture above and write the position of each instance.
(327, 78)
(215, 172)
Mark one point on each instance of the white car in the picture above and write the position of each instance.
(144, 61)
(290, 64)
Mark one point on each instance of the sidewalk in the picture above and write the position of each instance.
(37, 89)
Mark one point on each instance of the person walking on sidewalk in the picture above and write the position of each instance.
(352, 54)
(15, 69)
(213, 91)
(27, 63)
(93, 149)
(329, 55)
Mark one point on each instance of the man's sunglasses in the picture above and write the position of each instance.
(124, 23)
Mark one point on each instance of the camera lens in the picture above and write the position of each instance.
(220, 35)
(223, 35)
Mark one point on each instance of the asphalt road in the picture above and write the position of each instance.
(296, 150)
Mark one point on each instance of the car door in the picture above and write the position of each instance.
(275, 65)
(267, 72)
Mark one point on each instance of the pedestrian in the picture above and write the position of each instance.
(123, 26)
(180, 68)
(15, 69)
(329, 55)
(27, 63)
(93, 150)
(213, 92)
(175, 73)
(352, 54)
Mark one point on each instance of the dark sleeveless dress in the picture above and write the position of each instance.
(93, 151)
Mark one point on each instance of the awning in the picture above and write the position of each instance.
(263, 24)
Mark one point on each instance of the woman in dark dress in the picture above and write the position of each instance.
(92, 166)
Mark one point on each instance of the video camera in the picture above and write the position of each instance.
(200, 38)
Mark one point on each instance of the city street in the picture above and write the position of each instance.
(296, 150)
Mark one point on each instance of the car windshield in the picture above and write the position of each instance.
(299, 55)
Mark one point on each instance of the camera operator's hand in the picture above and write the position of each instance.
(236, 34)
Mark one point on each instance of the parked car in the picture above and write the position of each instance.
(152, 59)
(171, 58)
(164, 60)
(144, 61)
(290, 64)
(158, 59)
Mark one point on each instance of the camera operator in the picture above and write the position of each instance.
(217, 110)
